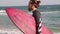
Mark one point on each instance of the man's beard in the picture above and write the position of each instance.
(30, 9)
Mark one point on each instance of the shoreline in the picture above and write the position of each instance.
(56, 32)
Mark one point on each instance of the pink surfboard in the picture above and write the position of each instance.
(24, 21)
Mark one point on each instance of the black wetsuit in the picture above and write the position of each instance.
(37, 16)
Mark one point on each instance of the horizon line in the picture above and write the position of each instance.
(25, 5)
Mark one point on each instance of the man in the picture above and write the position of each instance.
(33, 5)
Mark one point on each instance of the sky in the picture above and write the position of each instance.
(25, 2)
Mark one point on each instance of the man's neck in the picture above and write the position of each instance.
(34, 9)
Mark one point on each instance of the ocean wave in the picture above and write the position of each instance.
(2, 11)
(14, 31)
(17, 32)
(3, 14)
(56, 32)
(50, 12)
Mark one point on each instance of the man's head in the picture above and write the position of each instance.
(33, 4)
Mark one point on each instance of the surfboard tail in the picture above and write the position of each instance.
(24, 21)
(45, 30)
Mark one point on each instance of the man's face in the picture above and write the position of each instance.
(31, 7)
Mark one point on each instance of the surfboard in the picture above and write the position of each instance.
(24, 21)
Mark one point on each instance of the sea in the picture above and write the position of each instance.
(50, 17)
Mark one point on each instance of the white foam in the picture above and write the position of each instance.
(56, 32)
(3, 12)
(49, 12)
(14, 31)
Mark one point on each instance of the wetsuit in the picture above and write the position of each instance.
(37, 16)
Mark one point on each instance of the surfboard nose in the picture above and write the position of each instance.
(23, 21)
(10, 11)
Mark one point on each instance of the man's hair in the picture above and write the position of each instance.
(35, 2)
